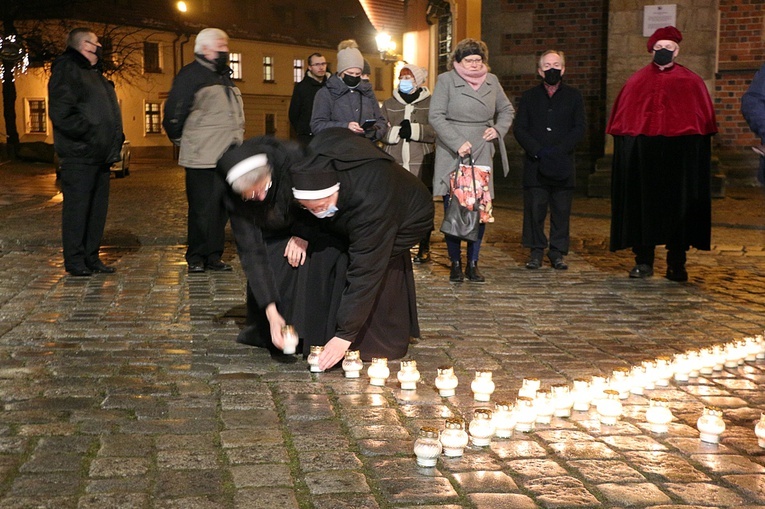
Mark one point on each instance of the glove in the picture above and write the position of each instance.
(406, 130)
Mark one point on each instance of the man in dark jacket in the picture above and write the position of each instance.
(301, 105)
(87, 135)
(549, 123)
(204, 114)
(753, 109)
(363, 195)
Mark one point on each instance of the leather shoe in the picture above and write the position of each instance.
(422, 257)
(196, 267)
(218, 266)
(101, 267)
(80, 272)
(472, 274)
(559, 264)
(641, 270)
(677, 273)
(533, 263)
(456, 275)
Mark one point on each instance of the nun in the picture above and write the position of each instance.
(362, 195)
(282, 248)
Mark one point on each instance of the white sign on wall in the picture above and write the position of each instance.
(658, 16)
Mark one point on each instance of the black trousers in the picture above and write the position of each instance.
(86, 199)
(207, 215)
(536, 202)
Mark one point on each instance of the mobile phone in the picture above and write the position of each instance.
(368, 123)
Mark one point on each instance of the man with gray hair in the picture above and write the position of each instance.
(87, 135)
(204, 115)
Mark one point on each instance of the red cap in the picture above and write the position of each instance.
(668, 33)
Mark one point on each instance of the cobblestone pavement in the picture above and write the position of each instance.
(128, 391)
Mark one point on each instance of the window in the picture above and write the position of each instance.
(37, 116)
(444, 40)
(235, 62)
(270, 124)
(152, 118)
(297, 70)
(151, 57)
(268, 69)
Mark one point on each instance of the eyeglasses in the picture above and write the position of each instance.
(472, 61)
(320, 64)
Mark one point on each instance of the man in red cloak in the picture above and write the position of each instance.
(662, 123)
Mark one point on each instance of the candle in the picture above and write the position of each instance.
(525, 414)
(446, 381)
(378, 371)
(620, 382)
(529, 387)
(481, 427)
(637, 379)
(658, 415)
(759, 430)
(562, 400)
(663, 370)
(503, 419)
(710, 425)
(581, 394)
(482, 386)
(352, 364)
(427, 447)
(454, 438)
(543, 405)
(313, 358)
(408, 375)
(609, 408)
(290, 338)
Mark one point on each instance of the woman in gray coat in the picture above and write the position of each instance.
(469, 111)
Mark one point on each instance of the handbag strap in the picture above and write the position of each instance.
(472, 170)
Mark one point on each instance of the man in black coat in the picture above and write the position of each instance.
(550, 121)
(363, 195)
(87, 135)
(301, 105)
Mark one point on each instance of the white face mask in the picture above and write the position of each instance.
(331, 210)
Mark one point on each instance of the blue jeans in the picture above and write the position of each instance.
(453, 245)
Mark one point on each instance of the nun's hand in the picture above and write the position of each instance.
(295, 251)
(275, 322)
(334, 351)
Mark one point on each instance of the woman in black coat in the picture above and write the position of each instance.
(382, 210)
(282, 250)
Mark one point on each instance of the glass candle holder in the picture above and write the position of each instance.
(378, 371)
(598, 384)
(650, 374)
(482, 386)
(710, 425)
(408, 375)
(544, 407)
(563, 401)
(609, 408)
(637, 379)
(760, 339)
(454, 438)
(694, 362)
(525, 414)
(352, 364)
(658, 415)
(291, 339)
(427, 447)
(481, 427)
(529, 387)
(313, 358)
(663, 371)
(718, 352)
(759, 431)
(681, 367)
(581, 395)
(620, 382)
(446, 381)
(707, 361)
(504, 419)
(751, 349)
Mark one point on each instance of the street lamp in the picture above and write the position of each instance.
(386, 46)
(181, 6)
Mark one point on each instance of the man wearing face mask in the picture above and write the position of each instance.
(87, 133)
(550, 121)
(382, 210)
(347, 101)
(411, 138)
(204, 115)
(662, 123)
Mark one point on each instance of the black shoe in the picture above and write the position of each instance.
(196, 267)
(559, 264)
(101, 267)
(218, 266)
(422, 257)
(677, 273)
(473, 274)
(80, 272)
(534, 263)
(641, 270)
(456, 275)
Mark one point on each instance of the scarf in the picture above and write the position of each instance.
(474, 78)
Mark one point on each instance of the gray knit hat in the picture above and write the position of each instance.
(347, 58)
(420, 73)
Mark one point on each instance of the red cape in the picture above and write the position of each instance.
(672, 102)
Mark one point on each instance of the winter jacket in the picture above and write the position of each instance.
(415, 154)
(204, 114)
(87, 123)
(301, 105)
(459, 114)
(336, 105)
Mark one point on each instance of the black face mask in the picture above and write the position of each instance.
(662, 56)
(552, 76)
(99, 53)
(221, 62)
(352, 81)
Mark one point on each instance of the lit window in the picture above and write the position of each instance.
(151, 57)
(37, 116)
(297, 70)
(153, 118)
(235, 62)
(268, 69)
(270, 124)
